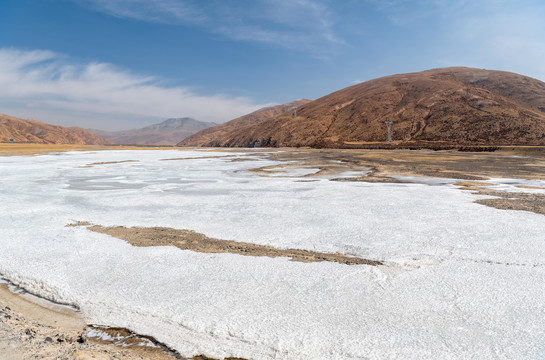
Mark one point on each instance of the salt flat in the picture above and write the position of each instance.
(460, 280)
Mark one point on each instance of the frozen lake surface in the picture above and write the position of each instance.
(460, 280)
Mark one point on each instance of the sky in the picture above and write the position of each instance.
(121, 64)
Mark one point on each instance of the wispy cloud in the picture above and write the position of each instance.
(160, 11)
(51, 85)
(294, 24)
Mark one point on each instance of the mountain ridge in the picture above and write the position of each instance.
(168, 132)
(457, 105)
(207, 136)
(34, 131)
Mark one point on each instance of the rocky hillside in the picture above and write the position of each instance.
(169, 132)
(32, 131)
(458, 106)
(212, 136)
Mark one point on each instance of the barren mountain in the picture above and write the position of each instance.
(211, 136)
(33, 131)
(458, 106)
(169, 132)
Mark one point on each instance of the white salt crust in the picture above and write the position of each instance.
(461, 280)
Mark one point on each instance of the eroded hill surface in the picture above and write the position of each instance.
(458, 106)
(33, 131)
(214, 136)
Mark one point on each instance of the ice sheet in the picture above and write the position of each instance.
(424, 180)
(519, 185)
(461, 280)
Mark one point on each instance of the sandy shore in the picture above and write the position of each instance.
(31, 328)
(14, 149)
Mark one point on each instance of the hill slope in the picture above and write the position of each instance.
(34, 131)
(449, 106)
(211, 136)
(168, 132)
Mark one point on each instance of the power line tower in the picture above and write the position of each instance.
(389, 125)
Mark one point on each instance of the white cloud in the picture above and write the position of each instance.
(52, 87)
(160, 11)
(294, 24)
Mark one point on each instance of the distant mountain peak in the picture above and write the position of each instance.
(177, 123)
(168, 132)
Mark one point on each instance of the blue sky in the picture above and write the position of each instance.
(118, 64)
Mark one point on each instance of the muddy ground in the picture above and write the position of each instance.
(191, 240)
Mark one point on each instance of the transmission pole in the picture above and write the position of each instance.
(389, 124)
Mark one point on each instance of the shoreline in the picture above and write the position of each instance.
(33, 328)
(29, 149)
(18, 149)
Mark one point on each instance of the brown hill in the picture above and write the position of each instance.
(212, 136)
(458, 106)
(32, 131)
(168, 132)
